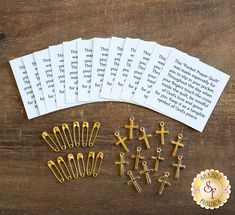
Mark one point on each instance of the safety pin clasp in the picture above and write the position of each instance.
(73, 165)
(94, 132)
(76, 133)
(90, 163)
(98, 162)
(56, 172)
(85, 131)
(56, 131)
(81, 164)
(64, 168)
(67, 135)
(48, 139)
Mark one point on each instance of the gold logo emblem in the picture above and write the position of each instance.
(211, 189)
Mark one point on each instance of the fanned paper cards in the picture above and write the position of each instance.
(25, 88)
(99, 61)
(70, 70)
(57, 64)
(145, 73)
(188, 90)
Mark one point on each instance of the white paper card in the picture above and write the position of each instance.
(70, 68)
(43, 63)
(57, 64)
(32, 71)
(85, 54)
(152, 71)
(141, 59)
(114, 56)
(24, 87)
(99, 61)
(126, 60)
(188, 90)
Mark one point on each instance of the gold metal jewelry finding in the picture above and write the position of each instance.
(121, 141)
(56, 172)
(145, 137)
(76, 133)
(137, 157)
(73, 165)
(67, 135)
(178, 166)
(59, 138)
(146, 172)
(134, 181)
(94, 132)
(85, 131)
(162, 133)
(48, 139)
(177, 144)
(121, 162)
(81, 165)
(90, 164)
(100, 157)
(157, 159)
(163, 182)
(131, 127)
(64, 168)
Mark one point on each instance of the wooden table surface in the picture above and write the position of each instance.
(204, 29)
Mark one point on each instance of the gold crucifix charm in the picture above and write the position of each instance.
(145, 137)
(137, 157)
(121, 141)
(157, 159)
(178, 166)
(146, 172)
(121, 162)
(134, 181)
(163, 181)
(162, 133)
(131, 127)
(177, 144)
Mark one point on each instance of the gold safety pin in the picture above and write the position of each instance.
(90, 167)
(85, 128)
(62, 163)
(73, 165)
(55, 131)
(96, 170)
(67, 133)
(94, 132)
(76, 133)
(59, 177)
(48, 139)
(80, 157)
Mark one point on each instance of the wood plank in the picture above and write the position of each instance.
(203, 29)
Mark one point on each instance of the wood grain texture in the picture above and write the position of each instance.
(204, 29)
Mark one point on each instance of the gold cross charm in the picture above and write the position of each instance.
(157, 159)
(146, 172)
(134, 181)
(162, 133)
(178, 167)
(177, 144)
(121, 141)
(121, 162)
(131, 127)
(163, 181)
(145, 137)
(137, 157)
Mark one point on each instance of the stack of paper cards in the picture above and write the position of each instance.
(80, 71)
